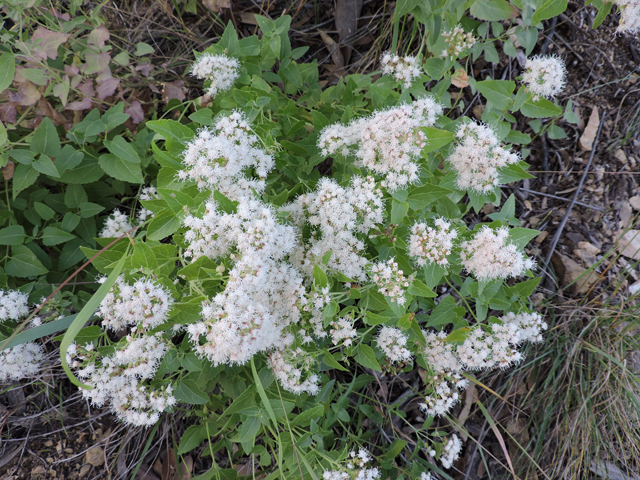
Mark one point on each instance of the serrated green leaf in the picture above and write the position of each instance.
(13, 235)
(498, 92)
(24, 263)
(7, 70)
(419, 289)
(45, 212)
(436, 139)
(121, 169)
(522, 236)
(74, 196)
(23, 177)
(188, 391)
(458, 335)
(192, 438)
(55, 236)
(45, 139)
(143, 256)
(46, 166)
(367, 357)
(421, 197)
(122, 149)
(163, 225)
(88, 209)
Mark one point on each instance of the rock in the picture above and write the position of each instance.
(587, 253)
(94, 456)
(629, 244)
(573, 274)
(635, 202)
(84, 471)
(634, 288)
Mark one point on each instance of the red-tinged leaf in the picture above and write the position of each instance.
(135, 111)
(84, 104)
(8, 112)
(98, 37)
(175, 89)
(27, 95)
(87, 88)
(107, 87)
(95, 63)
(47, 43)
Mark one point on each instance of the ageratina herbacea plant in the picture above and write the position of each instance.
(286, 245)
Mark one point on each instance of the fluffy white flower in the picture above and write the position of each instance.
(403, 69)
(342, 331)
(390, 280)
(544, 76)
(21, 361)
(432, 245)
(147, 193)
(426, 476)
(530, 326)
(629, 16)
(393, 344)
(387, 142)
(442, 392)
(220, 158)
(115, 225)
(145, 304)
(355, 468)
(488, 256)
(293, 369)
(457, 41)
(451, 452)
(220, 70)
(489, 349)
(478, 156)
(13, 305)
(439, 355)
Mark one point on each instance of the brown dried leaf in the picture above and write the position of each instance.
(334, 50)
(629, 244)
(466, 409)
(145, 69)
(98, 37)
(7, 170)
(184, 469)
(43, 107)
(216, 5)
(346, 20)
(635, 202)
(589, 134)
(8, 112)
(49, 43)
(94, 456)
(27, 94)
(145, 473)
(570, 271)
(175, 89)
(460, 78)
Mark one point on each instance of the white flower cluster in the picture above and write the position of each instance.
(290, 367)
(339, 214)
(451, 451)
(432, 245)
(544, 76)
(13, 305)
(145, 304)
(220, 70)
(488, 256)
(218, 159)
(442, 393)
(426, 476)
(457, 41)
(489, 349)
(115, 225)
(20, 361)
(356, 468)
(629, 16)
(393, 344)
(403, 69)
(530, 326)
(119, 379)
(439, 355)
(147, 193)
(342, 331)
(478, 156)
(390, 280)
(387, 142)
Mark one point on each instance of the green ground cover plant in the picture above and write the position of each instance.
(260, 254)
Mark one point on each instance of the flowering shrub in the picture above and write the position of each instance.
(248, 276)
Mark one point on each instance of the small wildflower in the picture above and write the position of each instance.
(220, 70)
(432, 245)
(21, 361)
(403, 69)
(457, 42)
(451, 452)
(13, 305)
(115, 225)
(544, 76)
(393, 344)
(391, 280)
(629, 16)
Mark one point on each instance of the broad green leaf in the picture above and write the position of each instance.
(188, 391)
(498, 92)
(143, 48)
(374, 319)
(143, 256)
(550, 9)
(458, 335)
(192, 438)
(24, 263)
(513, 173)
(45, 139)
(121, 169)
(405, 6)
(367, 358)
(436, 139)
(35, 75)
(45, 212)
(330, 361)
(74, 196)
(87, 171)
(419, 289)
(521, 236)
(526, 289)
(7, 70)
(304, 418)
(40, 331)
(421, 197)
(3, 136)
(398, 211)
(204, 116)
(88, 209)
(122, 149)
(55, 236)
(163, 225)
(604, 9)
(319, 277)
(13, 235)
(174, 133)
(543, 108)
(46, 166)
(23, 177)
(493, 10)
(68, 159)
(445, 312)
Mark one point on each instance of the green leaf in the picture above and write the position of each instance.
(330, 361)
(24, 263)
(174, 133)
(88, 209)
(23, 177)
(526, 289)
(421, 197)
(3, 136)
(419, 289)
(122, 149)
(7, 70)
(458, 335)
(367, 358)
(35, 75)
(188, 391)
(163, 225)
(45, 212)
(394, 449)
(55, 236)
(521, 236)
(319, 277)
(74, 196)
(405, 6)
(398, 211)
(543, 108)
(13, 235)
(304, 418)
(143, 256)
(68, 159)
(46, 166)
(192, 438)
(40, 331)
(493, 10)
(121, 169)
(498, 92)
(204, 116)
(374, 319)
(143, 48)
(436, 139)
(445, 312)
(550, 9)
(45, 139)
(604, 9)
